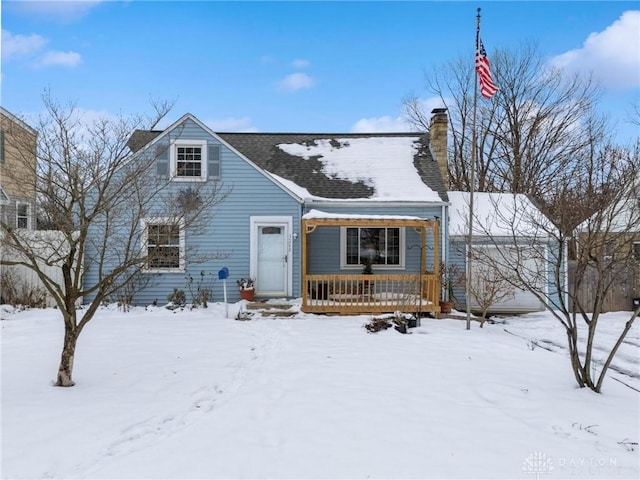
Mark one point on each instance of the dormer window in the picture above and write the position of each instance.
(189, 160)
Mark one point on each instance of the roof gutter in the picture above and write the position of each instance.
(318, 203)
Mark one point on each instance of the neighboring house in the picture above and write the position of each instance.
(609, 246)
(509, 232)
(308, 214)
(17, 172)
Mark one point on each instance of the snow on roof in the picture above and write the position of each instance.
(293, 187)
(383, 163)
(320, 214)
(496, 214)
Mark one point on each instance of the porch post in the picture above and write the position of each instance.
(436, 259)
(303, 262)
(436, 247)
(423, 249)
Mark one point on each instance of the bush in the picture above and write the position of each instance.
(177, 299)
(376, 324)
(18, 292)
(200, 291)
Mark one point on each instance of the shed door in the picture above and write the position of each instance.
(271, 257)
(519, 300)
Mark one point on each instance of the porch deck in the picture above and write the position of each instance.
(363, 294)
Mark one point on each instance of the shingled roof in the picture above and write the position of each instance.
(264, 149)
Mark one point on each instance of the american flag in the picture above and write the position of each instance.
(487, 87)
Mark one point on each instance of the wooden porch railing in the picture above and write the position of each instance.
(361, 294)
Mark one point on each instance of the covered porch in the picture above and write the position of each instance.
(412, 286)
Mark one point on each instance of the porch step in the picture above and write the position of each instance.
(270, 308)
(267, 305)
(278, 313)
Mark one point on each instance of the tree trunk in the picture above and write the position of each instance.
(65, 369)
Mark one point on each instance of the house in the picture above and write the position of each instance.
(17, 172)
(509, 232)
(352, 223)
(608, 252)
(17, 206)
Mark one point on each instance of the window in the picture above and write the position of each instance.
(189, 160)
(164, 244)
(636, 251)
(381, 246)
(22, 215)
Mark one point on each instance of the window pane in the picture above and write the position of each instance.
(372, 244)
(189, 161)
(379, 245)
(393, 246)
(22, 216)
(164, 257)
(163, 246)
(353, 257)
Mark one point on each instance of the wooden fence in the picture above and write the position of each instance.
(626, 287)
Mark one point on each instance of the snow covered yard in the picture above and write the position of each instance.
(191, 394)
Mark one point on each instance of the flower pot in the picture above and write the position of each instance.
(247, 294)
(446, 307)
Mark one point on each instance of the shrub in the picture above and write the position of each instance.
(18, 292)
(376, 324)
(200, 291)
(177, 299)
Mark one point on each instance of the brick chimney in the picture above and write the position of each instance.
(438, 126)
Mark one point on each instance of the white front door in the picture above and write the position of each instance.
(270, 255)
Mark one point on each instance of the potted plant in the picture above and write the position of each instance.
(449, 278)
(367, 266)
(246, 288)
(365, 285)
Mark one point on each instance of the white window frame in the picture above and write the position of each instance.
(28, 215)
(181, 244)
(173, 159)
(376, 266)
(636, 250)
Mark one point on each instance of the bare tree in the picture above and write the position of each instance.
(527, 134)
(606, 248)
(98, 196)
(489, 286)
(634, 115)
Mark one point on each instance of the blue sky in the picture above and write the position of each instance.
(293, 66)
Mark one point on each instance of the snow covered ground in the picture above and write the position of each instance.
(192, 394)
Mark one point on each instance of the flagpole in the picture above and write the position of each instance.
(472, 180)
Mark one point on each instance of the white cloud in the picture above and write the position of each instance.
(54, 59)
(231, 124)
(613, 55)
(30, 50)
(387, 123)
(21, 45)
(381, 124)
(301, 63)
(62, 11)
(296, 81)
